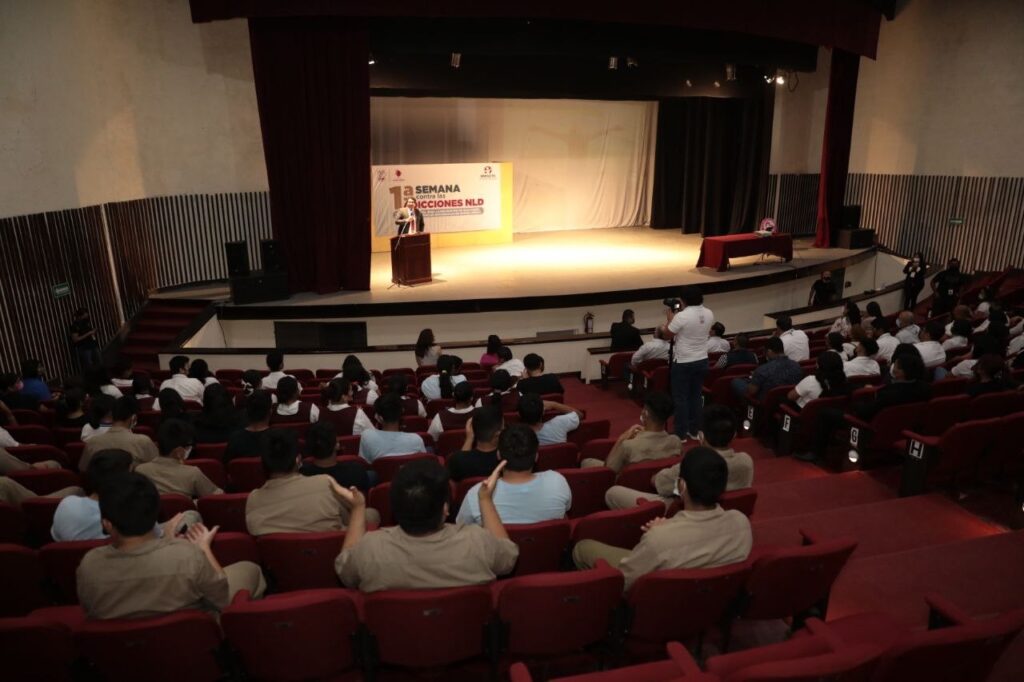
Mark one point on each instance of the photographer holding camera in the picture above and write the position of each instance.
(688, 325)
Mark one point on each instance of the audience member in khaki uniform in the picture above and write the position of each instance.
(120, 436)
(140, 575)
(703, 535)
(646, 440)
(14, 493)
(424, 552)
(169, 472)
(9, 463)
(290, 502)
(719, 430)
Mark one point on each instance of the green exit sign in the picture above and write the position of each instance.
(61, 290)
(956, 221)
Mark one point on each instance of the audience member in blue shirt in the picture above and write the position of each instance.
(779, 370)
(521, 495)
(388, 440)
(555, 430)
(739, 354)
(33, 385)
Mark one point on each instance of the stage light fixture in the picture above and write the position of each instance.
(631, 63)
(780, 79)
(613, 63)
(372, 61)
(717, 84)
(730, 72)
(689, 83)
(456, 60)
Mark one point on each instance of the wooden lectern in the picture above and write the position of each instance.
(410, 259)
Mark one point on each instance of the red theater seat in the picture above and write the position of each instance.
(245, 474)
(33, 649)
(301, 561)
(637, 476)
(387, 467)
(45, 481)
(13, 524)
(60, 562)
(588, 488)
(21, 574)
(226, 511)
(619, 528)
(559, 456)
(541, 545)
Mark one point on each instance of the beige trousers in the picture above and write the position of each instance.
(14, 493)
(245, 575)
(621, 497)
(587, 552)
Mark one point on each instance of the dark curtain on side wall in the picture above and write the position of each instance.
(313, 90)
(835, 148)
(711, 163)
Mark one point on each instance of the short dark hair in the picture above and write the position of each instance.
(397, 384)
(173, 434)
(961, 328)
(501, 380)
(531, 408)
(125, 408)
(258, 406)
(141, 384)
(178, 363)
(389, 408)
(627, 313)
(99, 407)
(104, 465)
(279, 457)
(30, 368)
(505, 353)
(935, 330)
(705, 474)
(784, 323)
(742, 340)
(487, 421)
(518, 445)
(881, 324)
(692, 296)
(911, 364)
(131, 503)
(718, 329)
(321, 440)
(275, 360)
(659, 406)
(171, 402)
(870, 346)
(774, 344)
(532, 361)
(463, 392)
(418, 494)
(834, 340)
(719, 426)
(287, 389)
(252, 380)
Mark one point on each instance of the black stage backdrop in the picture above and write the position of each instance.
(835, 149)
(711, 163)
(313, 90)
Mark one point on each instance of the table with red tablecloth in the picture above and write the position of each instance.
(715, 252)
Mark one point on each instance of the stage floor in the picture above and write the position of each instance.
(558, 263)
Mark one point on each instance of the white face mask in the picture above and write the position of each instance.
(188, 452)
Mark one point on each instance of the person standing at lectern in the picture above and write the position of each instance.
(409, 218)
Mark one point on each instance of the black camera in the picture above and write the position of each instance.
(673, 304)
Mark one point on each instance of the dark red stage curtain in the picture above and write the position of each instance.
(835, 148)
(711, 163)
(313, 90)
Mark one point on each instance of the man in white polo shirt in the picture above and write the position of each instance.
(908, 331)
(689, 327)
(275, 365)
(187, 388)
(929, 347)
(794, 341)
(862, 364)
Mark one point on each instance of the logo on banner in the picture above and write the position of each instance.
(382, 175)
(398, 173)
(487, 174)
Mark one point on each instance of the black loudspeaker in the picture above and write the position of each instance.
(270, 254)
(849, 217)
(238, 258)
(856, 239)
(259, 287)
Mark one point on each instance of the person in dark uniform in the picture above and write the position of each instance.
(823, 291)
(83, 340)
(624, 335)
(947, 286)
(914, 273)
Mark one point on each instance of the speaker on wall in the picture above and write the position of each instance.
(849, 217)
(856, 239)
(270, 254)
(238, 258)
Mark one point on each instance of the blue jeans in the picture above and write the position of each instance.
(687, 380)
(739, 387)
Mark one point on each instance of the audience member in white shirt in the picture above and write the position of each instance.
(961, 312)
(463, 395)
(442, 384)
(849, 319)
(288, 403)
(717, 344)
(513, 366)
(960, 338)
(275, 363)
(555, 430)
(794, 341)
(828, 380)
(886, 342)
(929, 347)
(1015, 346)
(908, 331)
(97, 380)
(862, 364)
(200, 371)
(427, 351)
(655, 349)
(835, 343)
(121, 373)
(187, 388)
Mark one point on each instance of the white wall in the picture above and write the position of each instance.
(106, 100)
(799, 123)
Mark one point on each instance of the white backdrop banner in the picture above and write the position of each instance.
(453, 197)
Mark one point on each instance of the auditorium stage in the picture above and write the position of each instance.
(568, 262)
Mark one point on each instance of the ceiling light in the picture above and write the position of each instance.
(372, 60)
(780, 79)
(689, 83)
(613, 63)
(456, 60)
(730, 72)
(717, 84)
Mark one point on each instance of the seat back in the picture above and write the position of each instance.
(675, 605)
(413, 423)
(21, 574)
(462, 488)
(620, 527)
(267, 634)
(245, 474)
(961, 449)
(616, 364)
(742, 500)
(13, 524)
(1005, 450)
(541, 545)
(450, 441)
(589, 430)
(792, 580)
(226, 510)
(213, 469)
(41, 453)
(178, 646)
(856, 663)
(639, 475)
(951, 385)
(559, 456)
(999, 404)
(36, 650)
(45, 481)
(60, 563)
(387, 467)
(31, 434)
(229, 548)
(558, 613)
(588, 487)
(960, 653)
(301, 561)
(39, 513)
(598, 448)
(207, 451)
(943, 413)
(888, 424)
(172, 503)
(428, 628)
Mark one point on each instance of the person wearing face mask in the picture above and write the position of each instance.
(947, 286)
(823, 291)
(120, 437)
(914, 273)
(646, 440)
(168, 472)
(83, 340)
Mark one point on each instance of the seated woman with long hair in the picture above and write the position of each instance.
(828, 380)
(490, 357)
(442, 384)
(503, 394)
(427, 351)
